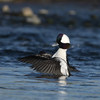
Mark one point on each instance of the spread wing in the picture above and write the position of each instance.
(32, 59)
(44, 65)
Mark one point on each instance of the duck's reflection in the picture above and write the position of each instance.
(62, 80)
(62, 93)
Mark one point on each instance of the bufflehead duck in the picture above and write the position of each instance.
(56, 64)
(48, 56)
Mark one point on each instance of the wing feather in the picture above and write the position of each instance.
(32, 59)
(49, 70)
(44, 69)
(52, 69)
(41, 68)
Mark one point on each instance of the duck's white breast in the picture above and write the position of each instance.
(64, 67)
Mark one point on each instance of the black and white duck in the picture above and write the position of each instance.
(57, 64)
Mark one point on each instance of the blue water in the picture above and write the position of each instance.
(19, 82)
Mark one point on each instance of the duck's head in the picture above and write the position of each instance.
(62, 41)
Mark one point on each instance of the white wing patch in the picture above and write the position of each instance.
(64, 67)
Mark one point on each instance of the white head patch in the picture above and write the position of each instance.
(65, 39)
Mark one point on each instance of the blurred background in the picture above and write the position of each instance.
(68, 13)
(30, 26)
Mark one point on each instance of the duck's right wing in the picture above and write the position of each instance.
(44, 65)
(32, 59)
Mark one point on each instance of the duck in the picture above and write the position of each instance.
(56, 64)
